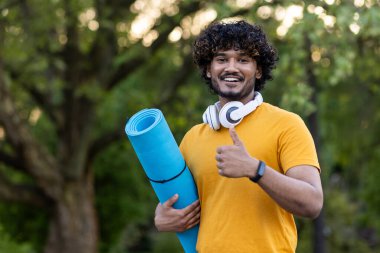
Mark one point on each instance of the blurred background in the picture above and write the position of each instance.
(72, 72)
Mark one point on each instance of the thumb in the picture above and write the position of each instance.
(235, 137)
(170, 202)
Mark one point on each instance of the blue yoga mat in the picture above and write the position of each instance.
(163, 164)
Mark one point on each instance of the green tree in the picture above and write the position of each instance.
(72, 71)
(60, 64)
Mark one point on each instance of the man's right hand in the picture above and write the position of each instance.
(170, 219)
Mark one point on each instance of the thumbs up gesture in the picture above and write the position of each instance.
(234, 160)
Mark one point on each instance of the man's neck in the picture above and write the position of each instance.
(244, 100)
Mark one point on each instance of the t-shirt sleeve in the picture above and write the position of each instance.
(296, 145)
(183, 146)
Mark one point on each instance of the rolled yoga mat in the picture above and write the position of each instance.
(163, 164)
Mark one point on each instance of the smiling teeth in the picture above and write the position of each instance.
(230, 79)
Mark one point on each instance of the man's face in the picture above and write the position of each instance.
(233, 74)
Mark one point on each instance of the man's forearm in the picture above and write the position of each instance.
(298, 192)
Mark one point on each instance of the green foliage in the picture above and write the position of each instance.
(123, 193)
(22, 229)
(167, 242)
(10, 246)
(297, 99)
(342, 60)
(344, 224)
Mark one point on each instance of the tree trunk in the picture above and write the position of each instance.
(73, 227)
(313, 124)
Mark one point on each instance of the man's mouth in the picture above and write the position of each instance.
(232, 79)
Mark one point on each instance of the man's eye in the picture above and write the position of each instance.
(244, 60)
(220, 59)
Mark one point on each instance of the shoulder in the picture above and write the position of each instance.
(195, 129)
(295, 144)
(281, 123)
(190, 139)
(275, 110)
(276, 114)
(193, 133)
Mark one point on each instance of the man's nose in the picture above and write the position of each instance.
(231, 67)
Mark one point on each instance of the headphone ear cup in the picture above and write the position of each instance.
(211, 117)
(215, 116)
(225, 114)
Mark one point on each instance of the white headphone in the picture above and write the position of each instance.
(231, 113)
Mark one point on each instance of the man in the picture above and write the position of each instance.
(253, 177)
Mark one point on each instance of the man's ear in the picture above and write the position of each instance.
(259, 73)
(208, 73)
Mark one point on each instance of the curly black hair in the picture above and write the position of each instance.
(238, 35)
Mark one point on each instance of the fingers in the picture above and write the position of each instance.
(218, 157)
(170, 202)
(194, 220)
(219, 162)
(190, 208)
(235, 137)
(194, 212)
(189, 217)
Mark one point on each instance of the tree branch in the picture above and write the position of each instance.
(178, 80)
(71, 29)
(103, 142)
(21, 193)
(104, 47)
(11, 161)
(110, 137)
(312, 121)
(125, 70)
(9, 4)
(41, 165)
(71, 54)
(44, 102)
(131, 65)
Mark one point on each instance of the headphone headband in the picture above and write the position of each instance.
(247, 108)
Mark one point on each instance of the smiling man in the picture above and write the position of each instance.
(233, 74)
(252, 174)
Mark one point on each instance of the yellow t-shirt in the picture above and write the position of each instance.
(237, 216)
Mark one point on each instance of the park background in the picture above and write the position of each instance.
(72, 72)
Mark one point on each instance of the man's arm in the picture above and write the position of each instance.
(299, 191)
